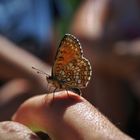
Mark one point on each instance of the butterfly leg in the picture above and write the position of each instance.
(49, 90)
(67, 92)
(54, 94)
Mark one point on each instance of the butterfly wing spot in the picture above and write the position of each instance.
(85, 72)
(79, 81)
(68, 79)
(62, 72)
(77, 76)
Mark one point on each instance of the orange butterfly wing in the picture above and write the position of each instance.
(70, 67)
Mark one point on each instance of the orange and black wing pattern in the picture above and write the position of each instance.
(70, 66)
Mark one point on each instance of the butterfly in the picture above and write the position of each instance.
(71, 70)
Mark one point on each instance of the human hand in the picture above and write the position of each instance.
(67, 117)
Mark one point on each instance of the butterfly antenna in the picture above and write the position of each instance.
(40, 71)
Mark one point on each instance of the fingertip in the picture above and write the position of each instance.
(45, 105)
(52, 113)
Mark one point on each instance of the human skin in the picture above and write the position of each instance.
(67, 117)
(18, 77)
(58, 120)
(17, 63)
(10, 130)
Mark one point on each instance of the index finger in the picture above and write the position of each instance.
(67, 117)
